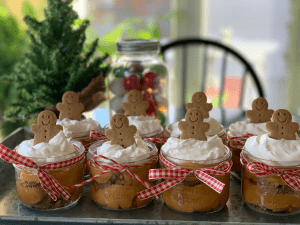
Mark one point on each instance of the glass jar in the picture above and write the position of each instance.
(139, 67)
(269, 194)
(118, 191)
(192, 195)
(173, 131)
(33, 196)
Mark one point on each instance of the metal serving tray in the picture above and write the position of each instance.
(87, 212)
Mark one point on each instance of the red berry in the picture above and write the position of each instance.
(152, 104)
(132, 83)
(150, 80)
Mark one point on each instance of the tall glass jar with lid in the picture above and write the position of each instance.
(139, 67)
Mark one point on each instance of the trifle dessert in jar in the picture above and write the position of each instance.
(199, 101)
(240, 131)
(46, 166)
(195, 169)
(70, 118)
(271, 168)
(120, 166)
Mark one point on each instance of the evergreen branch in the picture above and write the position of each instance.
(32, 23)
(92, 50)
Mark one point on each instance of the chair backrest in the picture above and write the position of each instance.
(226, 51)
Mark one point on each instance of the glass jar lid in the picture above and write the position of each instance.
(137, 45)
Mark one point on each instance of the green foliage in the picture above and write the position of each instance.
(55, 62)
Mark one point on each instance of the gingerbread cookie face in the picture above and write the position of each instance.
(135, 106)
(199, 101)
(282, 126)
(260, 112)
(70, 106)
(193, 126)
(46, 128)
(121, 133)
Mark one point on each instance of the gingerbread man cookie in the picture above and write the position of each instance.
(135, 105)
(193, 126)
(46, 128)
(199, 101)
(260, 112)
(121, 133)
(70, 106)
(282, 126)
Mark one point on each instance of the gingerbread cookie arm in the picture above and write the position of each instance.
(182, 125)
(132, 129)
(249, 113)
(270, 112)
(206, 126)
(125, 106)
(270, 126)
(110, 134)
(61, 106)
(34, 128)
(80, 107)
(294, 127)
(188, 106)
(208, 107)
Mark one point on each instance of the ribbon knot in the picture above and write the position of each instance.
(290, 177)
(175, 175)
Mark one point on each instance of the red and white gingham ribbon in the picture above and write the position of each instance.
(49, 184)
(116, 167)
(238, 141)
(178, 174)
(95, 135)
(259, 169)
(160, 139)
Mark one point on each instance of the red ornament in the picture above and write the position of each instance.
(152, 104)
(132, 83)
(150, 80)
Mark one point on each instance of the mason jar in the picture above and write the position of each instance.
(269, 194)
(192, 195)
(118, 190)
(139, 67)
(30, 191)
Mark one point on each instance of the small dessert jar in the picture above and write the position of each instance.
(269, 194)
(118, 190)
(192, 195)
(30, 191)
(173, 131)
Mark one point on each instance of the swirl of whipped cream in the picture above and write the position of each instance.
(215, 127)
(138, 151)
(266, 148)
(191, 149)
(145, 124)
(59, 148)
(243, 127)
(73, 128)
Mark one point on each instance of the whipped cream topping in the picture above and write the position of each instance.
(215, 127)
(75, 128)
(266, 148)
(136, 152)
(44, 152)
(191, 149)
(243, 127)
(145, 124)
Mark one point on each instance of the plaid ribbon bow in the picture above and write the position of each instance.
(49, 184)
(238, 141)
(116, 168)
(177, 175)
(259, 169)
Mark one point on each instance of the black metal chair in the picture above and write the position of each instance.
(183, 44)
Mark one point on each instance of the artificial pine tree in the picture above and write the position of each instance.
(56, 63)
